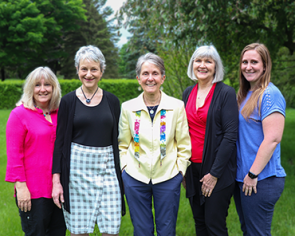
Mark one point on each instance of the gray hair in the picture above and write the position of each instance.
(209, 52)
(151, 58)
(90, 53)
(34, 77)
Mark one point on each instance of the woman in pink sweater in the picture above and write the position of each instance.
(30, 136)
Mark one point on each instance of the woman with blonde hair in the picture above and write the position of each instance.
(260, 175)
(30, 136)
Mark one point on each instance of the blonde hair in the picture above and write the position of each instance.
(27, 98)
(256, 96)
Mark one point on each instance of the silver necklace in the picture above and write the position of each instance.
(151, 109)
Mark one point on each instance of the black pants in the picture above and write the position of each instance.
(210, 217)
(44, 219)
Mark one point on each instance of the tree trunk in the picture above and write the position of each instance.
(2, 73)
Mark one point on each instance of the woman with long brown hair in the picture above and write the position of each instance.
(261, 125)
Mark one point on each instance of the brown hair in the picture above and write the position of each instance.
(263, 82)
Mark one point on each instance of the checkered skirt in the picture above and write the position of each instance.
(94, 191)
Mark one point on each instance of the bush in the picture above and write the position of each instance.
(124, 89)
(10, 93)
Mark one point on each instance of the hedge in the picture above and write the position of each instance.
(124, 89)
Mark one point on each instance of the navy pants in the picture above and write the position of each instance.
(256, 211)
(166, 202)
(44, 219)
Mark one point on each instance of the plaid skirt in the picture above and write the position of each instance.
(94, 191)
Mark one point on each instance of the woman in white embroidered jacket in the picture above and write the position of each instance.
(155, 148)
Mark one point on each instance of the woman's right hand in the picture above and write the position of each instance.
(23, 196)
(57, 191)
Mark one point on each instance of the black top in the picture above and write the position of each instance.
(220, 151)
(64, 134)
(154, 109)
(93, 126)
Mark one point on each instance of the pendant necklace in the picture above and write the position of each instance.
(151, 109)
(87, 99)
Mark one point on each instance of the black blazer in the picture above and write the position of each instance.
(219, 154)
(62, 146)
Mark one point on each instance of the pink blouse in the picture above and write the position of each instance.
(30, 142)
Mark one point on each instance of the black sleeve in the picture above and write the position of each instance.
(62, 119)
(186, 93)
(229, 124)
(117, 109)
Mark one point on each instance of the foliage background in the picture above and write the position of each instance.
(11, 90)
(174, 28)
(49, 32)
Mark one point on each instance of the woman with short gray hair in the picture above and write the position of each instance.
(154, 151)
(87, 180)
(212, 114)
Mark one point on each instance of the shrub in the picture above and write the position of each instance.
(124, 89)
(10, 93)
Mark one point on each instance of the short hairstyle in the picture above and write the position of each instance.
(27, 98)
(91, 53)
(209, 52)
(256, 96)
(151, 58)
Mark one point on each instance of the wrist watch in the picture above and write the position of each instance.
(252, 176)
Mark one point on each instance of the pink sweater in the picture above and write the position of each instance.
(30, 142)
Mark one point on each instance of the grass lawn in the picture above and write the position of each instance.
(284, 216)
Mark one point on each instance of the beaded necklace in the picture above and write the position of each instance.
(162, 135)
(44, 113)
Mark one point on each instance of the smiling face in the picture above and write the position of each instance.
(252, 67)
(89, 73)
(150, 78)
(204, 69)
(42, 93)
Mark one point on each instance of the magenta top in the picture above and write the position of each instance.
(30, 142)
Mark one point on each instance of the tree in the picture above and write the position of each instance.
(97, 31)
(176, 61)
(229, 25)
(32, 32)
(128, 57)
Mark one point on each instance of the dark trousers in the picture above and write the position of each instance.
(210, 217)
(44, 219)
(166, 202)
(256, 211)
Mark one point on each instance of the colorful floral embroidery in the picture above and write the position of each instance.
(162, 134)
(136, 134)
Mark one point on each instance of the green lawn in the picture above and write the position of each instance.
(284, 216)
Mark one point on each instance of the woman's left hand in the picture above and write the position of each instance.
(208, 185)
(249, 185)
